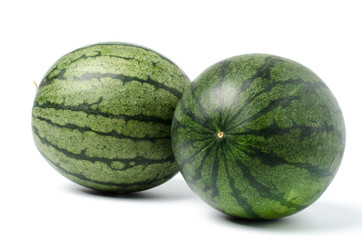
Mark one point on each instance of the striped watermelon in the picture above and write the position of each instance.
(258, 136)
(102, 116)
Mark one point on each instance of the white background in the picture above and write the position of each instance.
(38, 203)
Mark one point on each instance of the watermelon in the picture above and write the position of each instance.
(258, 136)
(102, 116)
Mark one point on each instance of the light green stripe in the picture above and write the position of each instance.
(120, 59)
(131, 98)
(95, 145)
(100, 171)
(103, 124)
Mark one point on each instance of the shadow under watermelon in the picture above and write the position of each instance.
(174, 189)
(320, 217)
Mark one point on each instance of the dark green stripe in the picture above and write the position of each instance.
(273, 160)
(279, 102)
(262, 71)
(215, 172)
(85, 107)
(193, 156)
(89, 76)
(194, 140)
(214, 176)
(99, 54)
(264, 191)
(202, 110)
(113, 133)
(265, 69)
(194, 117)
(197, 171)
(311, 86)
(127, 45)
(63, 70)
(60, 75)
(274, 129)
(237, 194)
(177, 124)
(83, 156)
(222, 73)
(144, 184)
(229, 112)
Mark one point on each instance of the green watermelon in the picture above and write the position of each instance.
(102, 116)
(258, 136)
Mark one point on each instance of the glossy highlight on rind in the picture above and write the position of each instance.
(102, 116)
(282, 140)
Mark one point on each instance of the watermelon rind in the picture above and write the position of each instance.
(258, 136)
(102, 116)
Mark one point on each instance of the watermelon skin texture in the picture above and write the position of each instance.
(102, 116)
(258, 136)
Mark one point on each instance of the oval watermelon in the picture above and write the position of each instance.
(258, 136)
(102, 116)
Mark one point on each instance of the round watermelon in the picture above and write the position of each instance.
(102, 116)
(258, 136)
